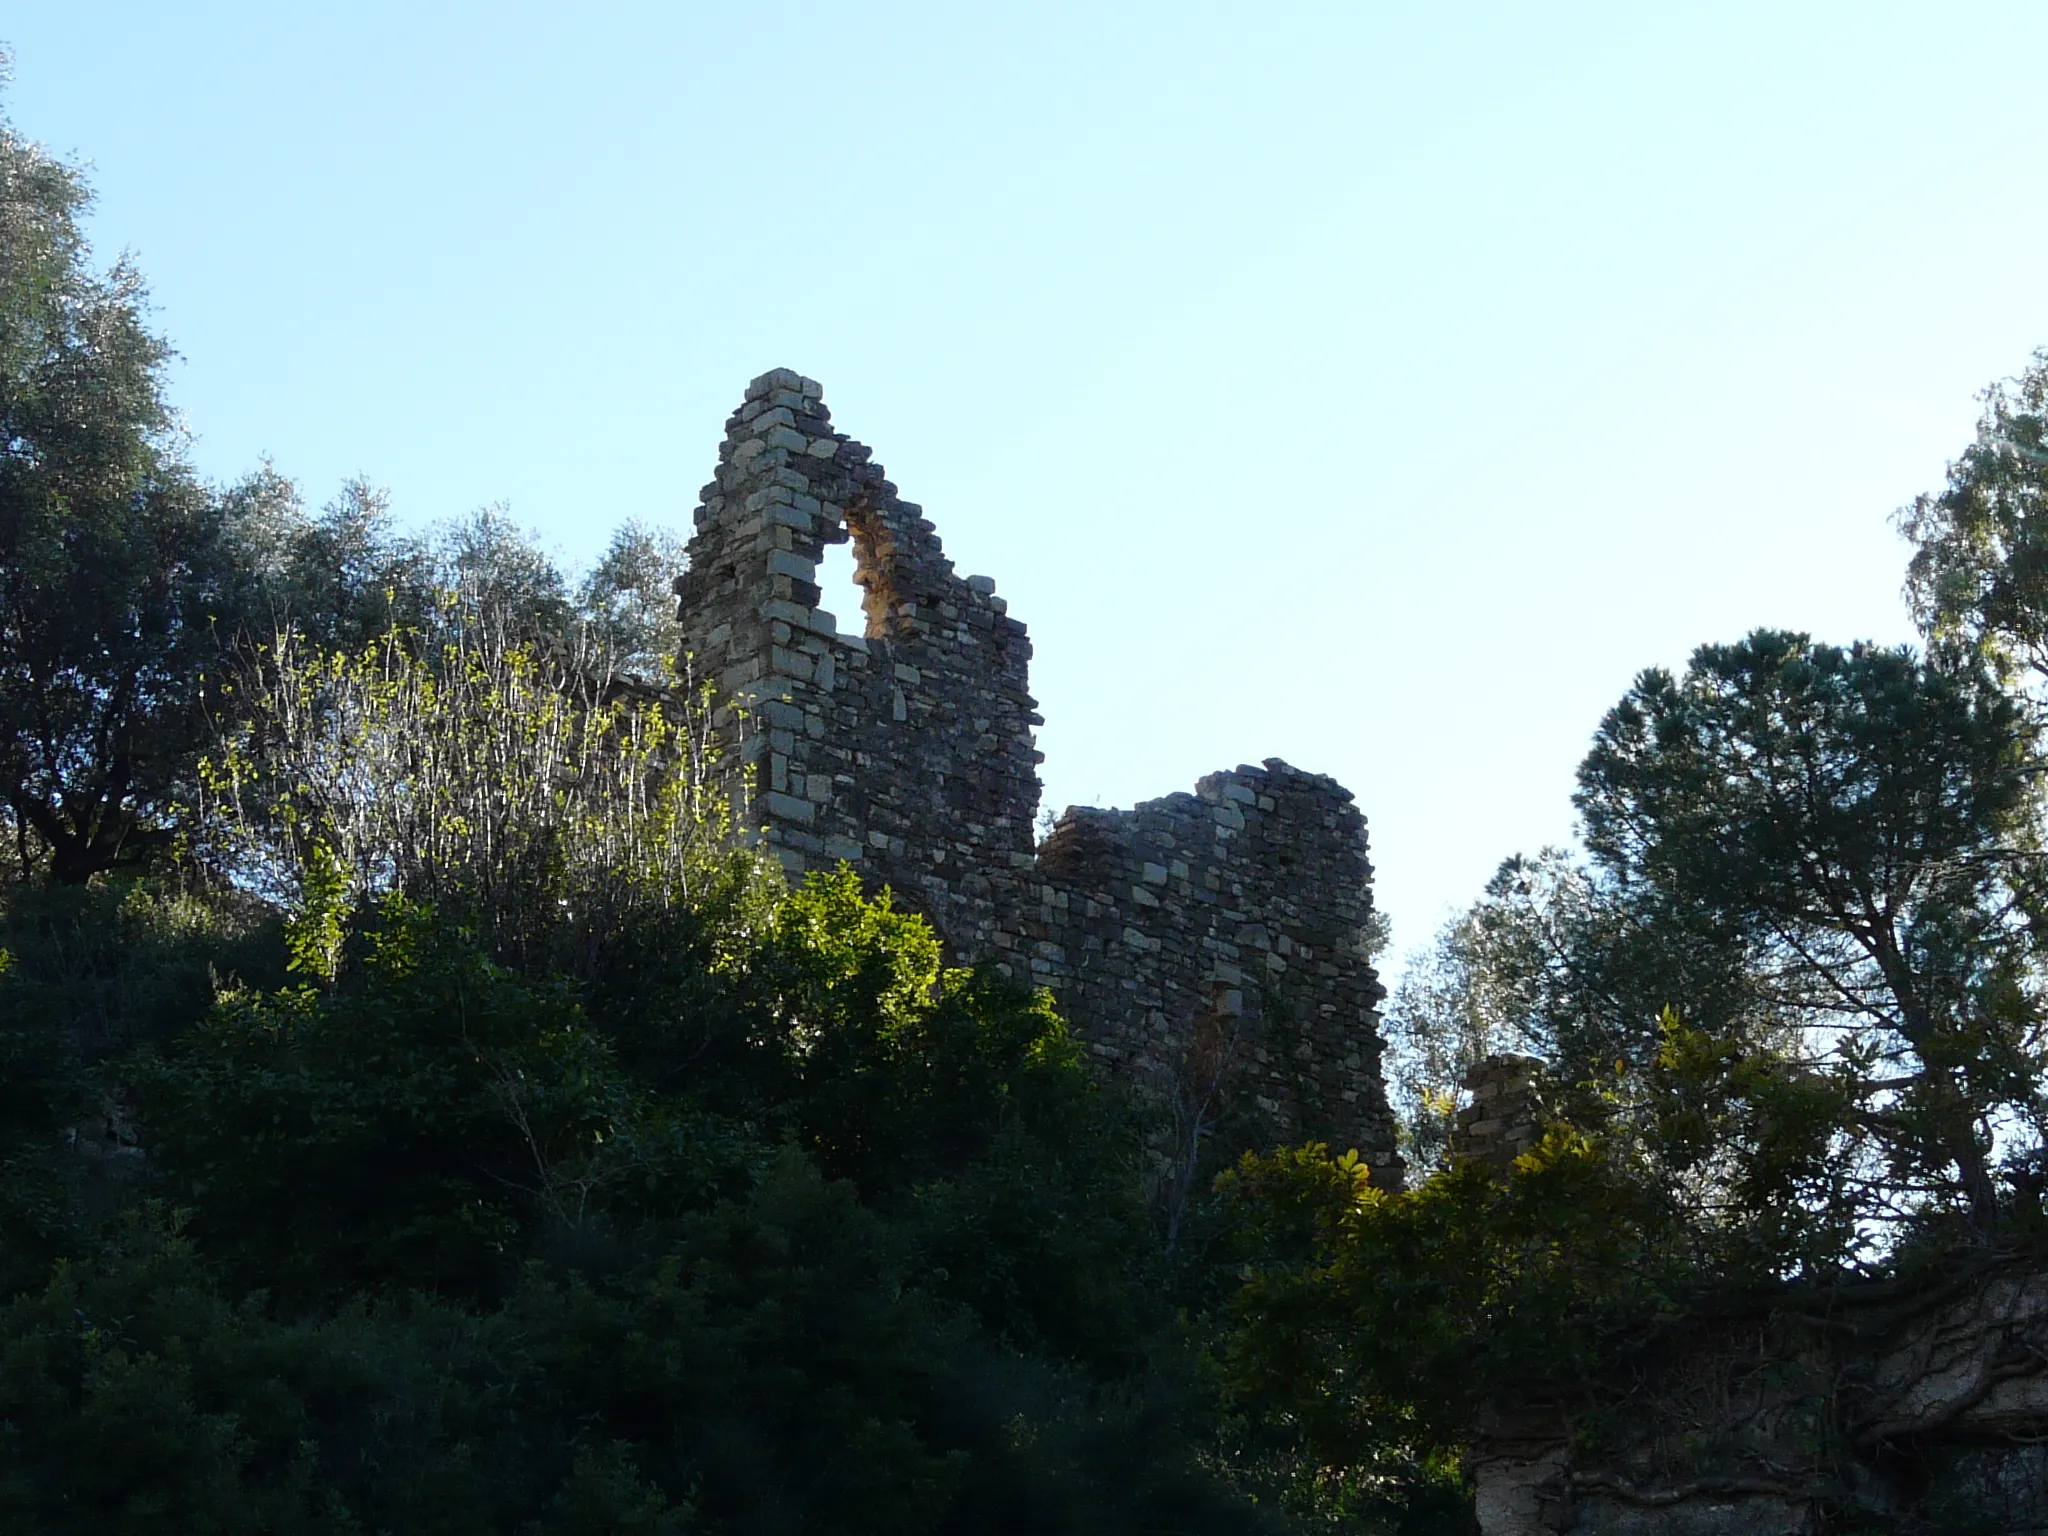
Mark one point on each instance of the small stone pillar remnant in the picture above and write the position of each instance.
(1502, 1121)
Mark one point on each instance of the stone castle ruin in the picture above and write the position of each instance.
(1209, 946)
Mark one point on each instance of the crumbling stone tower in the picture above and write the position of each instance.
(1210, 945)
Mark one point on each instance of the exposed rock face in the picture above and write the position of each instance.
(1914, 1406)
(1211, 945)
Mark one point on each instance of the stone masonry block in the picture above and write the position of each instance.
(789, 808)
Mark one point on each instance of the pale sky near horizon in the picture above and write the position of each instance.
(1375, 387)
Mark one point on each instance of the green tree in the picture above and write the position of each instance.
(1489, 982)
(1860, 826)
(336, 579)
(117, 568)
(1978, 580)
(498, 575)
(913, 1291)
(1374, 1330)
(629, 602)
(402, 1130)
(1561, 960)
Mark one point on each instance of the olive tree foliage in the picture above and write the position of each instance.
(117, 567)
(133, 597)
(496, 573)
(336, 578)
(130, 590)
(1978, 579)
(347, 574)
(628, 602)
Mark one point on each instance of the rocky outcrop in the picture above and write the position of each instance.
(1916, 1405)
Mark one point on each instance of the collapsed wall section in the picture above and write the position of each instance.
(1214, 942)
(1208, 946)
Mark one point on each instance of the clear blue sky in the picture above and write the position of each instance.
(1376, 386)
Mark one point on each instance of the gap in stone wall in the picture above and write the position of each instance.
(840, 594)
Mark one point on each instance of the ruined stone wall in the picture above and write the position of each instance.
(1217, 937)
(1208, 945)
(904, 747)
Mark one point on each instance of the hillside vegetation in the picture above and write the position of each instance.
(418, 1114)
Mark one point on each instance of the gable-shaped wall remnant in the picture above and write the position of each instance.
(1209, 945)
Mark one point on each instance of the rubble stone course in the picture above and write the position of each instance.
(1209, 945)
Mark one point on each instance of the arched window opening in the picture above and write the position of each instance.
(840, 594)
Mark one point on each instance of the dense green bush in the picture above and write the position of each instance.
(425, 1243)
